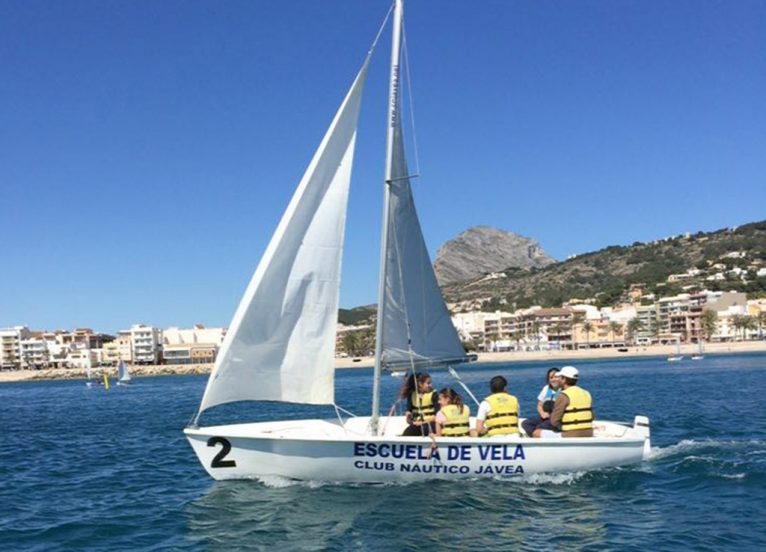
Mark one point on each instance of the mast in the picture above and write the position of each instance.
(393, 114)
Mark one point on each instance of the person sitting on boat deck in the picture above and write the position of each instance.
(499, 413)
(545, 401)
(572, 414)
(422, 404)
(453, 418)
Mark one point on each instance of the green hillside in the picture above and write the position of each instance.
(356, 316)
(605, 276)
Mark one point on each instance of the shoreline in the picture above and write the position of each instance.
(367, 362)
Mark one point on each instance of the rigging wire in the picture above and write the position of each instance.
(411, 98)
(380, 31)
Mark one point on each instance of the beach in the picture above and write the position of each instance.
(555, 357)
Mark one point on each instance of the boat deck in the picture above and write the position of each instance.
(391, 428)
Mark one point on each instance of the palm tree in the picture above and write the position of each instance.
(577, 318)
(587, 327)
(709, 323)
(517, 336)
(558, 330)
(748, 323)
(635, 325)
(740, 322)
(351, 342)
(615, 328)
(536, 331)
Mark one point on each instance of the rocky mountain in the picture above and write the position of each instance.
(730, 259)
(483, 249)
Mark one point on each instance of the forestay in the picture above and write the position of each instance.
(280, 344)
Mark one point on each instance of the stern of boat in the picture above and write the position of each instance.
(641, 429)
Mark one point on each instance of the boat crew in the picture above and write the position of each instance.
(499, 413)
(453, 418)
(422, 404)
(573, 411)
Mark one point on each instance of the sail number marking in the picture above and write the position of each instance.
(218, 460)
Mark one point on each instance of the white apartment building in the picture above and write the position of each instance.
(647, 315)
(10, 346)
(34, 352)
(470, 325)
(82, 358)
(197, 334)
(621, 315)
(145, 344)
(197, 345)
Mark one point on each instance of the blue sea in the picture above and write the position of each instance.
(88, 469)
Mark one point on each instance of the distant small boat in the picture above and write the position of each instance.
(398, 373)
(699, 355)
(678, 356)
(123, 377)
(88, 374)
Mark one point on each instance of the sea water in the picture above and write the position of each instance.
(89, 469)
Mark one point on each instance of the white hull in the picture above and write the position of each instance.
(675, 358)
(325, 450)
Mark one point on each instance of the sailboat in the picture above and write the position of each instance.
(699, 355)
(88, 373)
(678, 356)
(123, 376)
(280, 343)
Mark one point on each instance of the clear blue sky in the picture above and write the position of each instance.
(148, 149)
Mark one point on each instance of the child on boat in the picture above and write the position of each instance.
(422, 404)
(453, 417)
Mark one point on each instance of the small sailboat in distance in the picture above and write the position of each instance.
(678, 356)
(123, 376)
(88, 373)
(699, 355)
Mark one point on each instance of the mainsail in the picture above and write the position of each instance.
(281, 341)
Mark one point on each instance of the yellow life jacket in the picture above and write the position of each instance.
(423, 407)
(579, 412)
(503, 417)
(457, 421)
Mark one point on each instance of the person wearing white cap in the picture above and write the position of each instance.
(572, 414)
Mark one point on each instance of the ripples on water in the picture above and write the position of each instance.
(85, 469)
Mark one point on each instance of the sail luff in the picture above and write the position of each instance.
(281, 340)
(393, 108)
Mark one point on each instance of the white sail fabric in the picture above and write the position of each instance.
(281, 341)
(122, 372)
(416, 324)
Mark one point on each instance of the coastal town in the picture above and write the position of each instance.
(702, 317)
